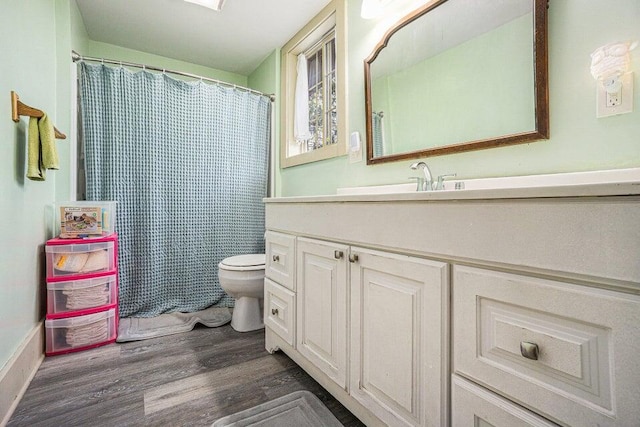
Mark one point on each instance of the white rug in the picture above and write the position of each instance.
(298, 409)
(142, 328)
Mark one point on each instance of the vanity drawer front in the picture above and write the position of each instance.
(280, 258)
(579, 345)
(279, 310)
(475, 406)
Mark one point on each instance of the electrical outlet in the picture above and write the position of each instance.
(613, 99)
(608, 104)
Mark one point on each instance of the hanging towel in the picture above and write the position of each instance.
(301, 102)
(48, 143)
(35, 168)
(42, 153)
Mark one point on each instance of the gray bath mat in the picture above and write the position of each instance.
(142, 328)
(298, 409)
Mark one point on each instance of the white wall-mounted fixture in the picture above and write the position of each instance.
(610, 67)
(211, 4)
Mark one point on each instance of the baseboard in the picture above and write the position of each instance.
(16, 375)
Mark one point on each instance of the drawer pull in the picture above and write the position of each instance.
(529, 350)
(274, 311)
(353, 258)
(338, 254)
(276, 258)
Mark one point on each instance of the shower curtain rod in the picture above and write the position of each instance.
(75, 57)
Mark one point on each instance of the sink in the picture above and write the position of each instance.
(379, 189)
(614, 176)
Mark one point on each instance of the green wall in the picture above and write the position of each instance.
(28, 66)
(579, 141)
(266, 79)
(118, 53)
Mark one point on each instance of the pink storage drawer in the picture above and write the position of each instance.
(80, 332)
(66, 297)
(78, 257)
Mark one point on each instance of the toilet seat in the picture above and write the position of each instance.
(250, 262)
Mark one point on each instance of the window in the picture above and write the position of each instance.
(322, 43)
(321, 76)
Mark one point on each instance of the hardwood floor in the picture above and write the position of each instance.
(188, 379)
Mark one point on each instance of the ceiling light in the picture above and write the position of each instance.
(211, 4)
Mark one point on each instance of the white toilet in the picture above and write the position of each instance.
(242, 277)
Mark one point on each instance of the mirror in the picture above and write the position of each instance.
(458, 75)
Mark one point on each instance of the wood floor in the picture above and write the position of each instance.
(188, 379)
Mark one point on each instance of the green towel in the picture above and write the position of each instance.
(42, 153)
(35, 168)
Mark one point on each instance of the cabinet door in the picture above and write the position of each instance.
(321, 301)
(398, 330)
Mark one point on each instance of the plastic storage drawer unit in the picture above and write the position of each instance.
(80, 332)
(65, 297)
(80, 257)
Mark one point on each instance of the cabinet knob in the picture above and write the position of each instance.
(529, 350)
(353, 258)
(274, 311)
(338, 254)
(276, 258)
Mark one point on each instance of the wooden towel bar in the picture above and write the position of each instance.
(19, 109)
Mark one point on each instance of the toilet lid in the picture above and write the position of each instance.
(244, 262)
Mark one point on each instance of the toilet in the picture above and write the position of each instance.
(242, 277)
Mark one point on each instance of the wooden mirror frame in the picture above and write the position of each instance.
(541, 88)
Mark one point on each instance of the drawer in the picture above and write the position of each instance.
(64, 297)
(80, 259)
(279, 310)
(579, 345)
(280, 259)
(475, 406)
(80, 332)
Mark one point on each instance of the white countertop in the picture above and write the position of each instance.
(617, 182)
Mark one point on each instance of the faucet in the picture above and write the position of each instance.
(440, 183)
(427, 184)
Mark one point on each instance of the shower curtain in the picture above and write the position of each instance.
(378, 134)
(187, 164)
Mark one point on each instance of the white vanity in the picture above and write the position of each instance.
(489, 306)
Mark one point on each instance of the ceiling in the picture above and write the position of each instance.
(237, 39)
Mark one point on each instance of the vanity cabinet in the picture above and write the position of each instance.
(393, 308)
(502, 312)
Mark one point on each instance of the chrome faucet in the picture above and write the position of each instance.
(427, 184)
(440, 182)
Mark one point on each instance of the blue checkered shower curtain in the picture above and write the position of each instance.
(378, 134)
(187, 164)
